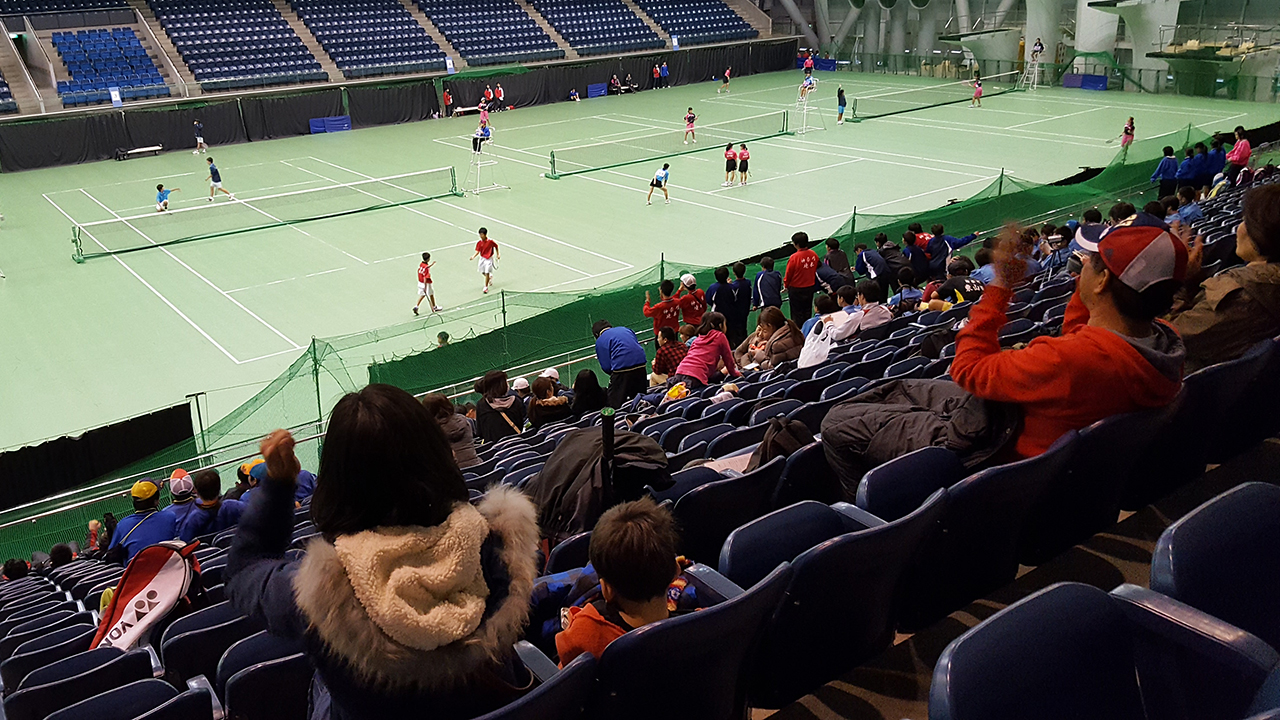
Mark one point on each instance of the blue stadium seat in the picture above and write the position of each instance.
(806, 476)
(1223, 558)
(123, 703)
(698, 21)
(709, 512)
(839, 608)
(562, 696)
(51, 688)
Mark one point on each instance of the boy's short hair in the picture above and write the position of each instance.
(766, 262)
(667, 333)
(833, 243)
(870, 289)
(484, 231)
(800, 240)
(847, 294)
(666, 287)
(15, 568)
(1187, 193)
(1121, 211)
(1093, 215)
(739, 269)
(722, 274)
(1168, 150)
(60, 555)
(208, 484)
(956, 268)
(633, 548)
(906, 276)
(984, 257)
(426, 257)
(825, 304)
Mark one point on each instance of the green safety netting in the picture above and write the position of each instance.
(523, 332)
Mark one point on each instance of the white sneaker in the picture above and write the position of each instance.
(486, 291)
(210, 198)
(744, 182)
(668, 202)
(648, 202)
(195, 152)
(686, 142)
(437, 309)
(841, 122)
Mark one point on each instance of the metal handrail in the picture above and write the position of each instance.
(155, 42)
(25, 73)
(48, 64)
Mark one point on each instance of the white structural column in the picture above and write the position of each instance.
(1044, 17)
(798, 18)
(871, 28)
(1095, 29)
(1006, 6)
(855, 10)
(1143, 20)
(897, 11)
(927, 33)
(963, 17)
(822, 22)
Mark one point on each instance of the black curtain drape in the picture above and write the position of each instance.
(173, 127)
(392, 104)
(37, 471)
(24, 146)
(552, 83)
(273, 116)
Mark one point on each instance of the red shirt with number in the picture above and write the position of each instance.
(424, 273)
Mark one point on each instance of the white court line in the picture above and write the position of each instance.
(248, 204)
(263, 357)
(794, 174)
(148, 285)
(326, 272)
(197, 201)
(582, 279)
(874, 160)
(417, 254)
(192, 270)
(517, 227)
(432, 217)
(930, 192)
(262, 285)
(148, 180)
(1060, 117)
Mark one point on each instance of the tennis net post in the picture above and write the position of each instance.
(252, 214)
(663, 143)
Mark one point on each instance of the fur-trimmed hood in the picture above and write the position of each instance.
(414, 608)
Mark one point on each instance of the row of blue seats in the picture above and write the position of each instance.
(213, 82)
(204, 57)
(102, 83)
(356, 70)
(216, 71)
(74, 98)
(21, 7)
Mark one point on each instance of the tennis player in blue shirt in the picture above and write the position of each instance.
(660, 182)
(215, 181)
(162, 197)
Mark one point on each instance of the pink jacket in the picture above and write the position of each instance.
(704, 357)
(1240, 153)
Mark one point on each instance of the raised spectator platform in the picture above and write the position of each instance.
(7, 103)
(596, 27)
(370, 37)
(489, 32)
(101, 58)
(237, 43)
(696, 22)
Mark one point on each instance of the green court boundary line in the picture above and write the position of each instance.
(555, 175)
(79, 256)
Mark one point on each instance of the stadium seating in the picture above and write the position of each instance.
(236, 43)
(488, 32)
(696, 22)
(103, 58)
(20, 7)
(370, 37)
(595, 27)
(7, 103)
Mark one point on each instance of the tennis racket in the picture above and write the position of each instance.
(1110, 140)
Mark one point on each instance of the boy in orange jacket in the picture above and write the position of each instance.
(633, 550)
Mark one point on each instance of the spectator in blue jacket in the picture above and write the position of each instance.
(768, 289)
(1167, 173)
(184, 508)
(1188, 210)
(736, 319)
(1188, 170)
(1215, 160)
(145, 527)
(952, 242)
(212, 514)
(622, 358)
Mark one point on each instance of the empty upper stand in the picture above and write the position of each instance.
(236, 43)
(594, 27)
(370, 37)
(698, 21)
(486, 32)
(21, 7)
(99, 59)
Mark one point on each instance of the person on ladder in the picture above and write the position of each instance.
(483, 135)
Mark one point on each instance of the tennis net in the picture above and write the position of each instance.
(655, 143)
(896, 102)
(203, 220)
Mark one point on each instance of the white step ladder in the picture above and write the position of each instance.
(1030, 79)
(474, 183)
(802, 109)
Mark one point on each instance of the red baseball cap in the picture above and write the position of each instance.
(1141, 256)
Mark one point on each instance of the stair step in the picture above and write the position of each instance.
(569, 52)
(299, 27)
(648, 21)
(434, 32)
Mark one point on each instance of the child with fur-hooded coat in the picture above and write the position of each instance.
(408, 616)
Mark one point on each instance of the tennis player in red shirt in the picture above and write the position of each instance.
(487, 251)
(424, 284)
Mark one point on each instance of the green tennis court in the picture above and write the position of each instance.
(224, 313)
